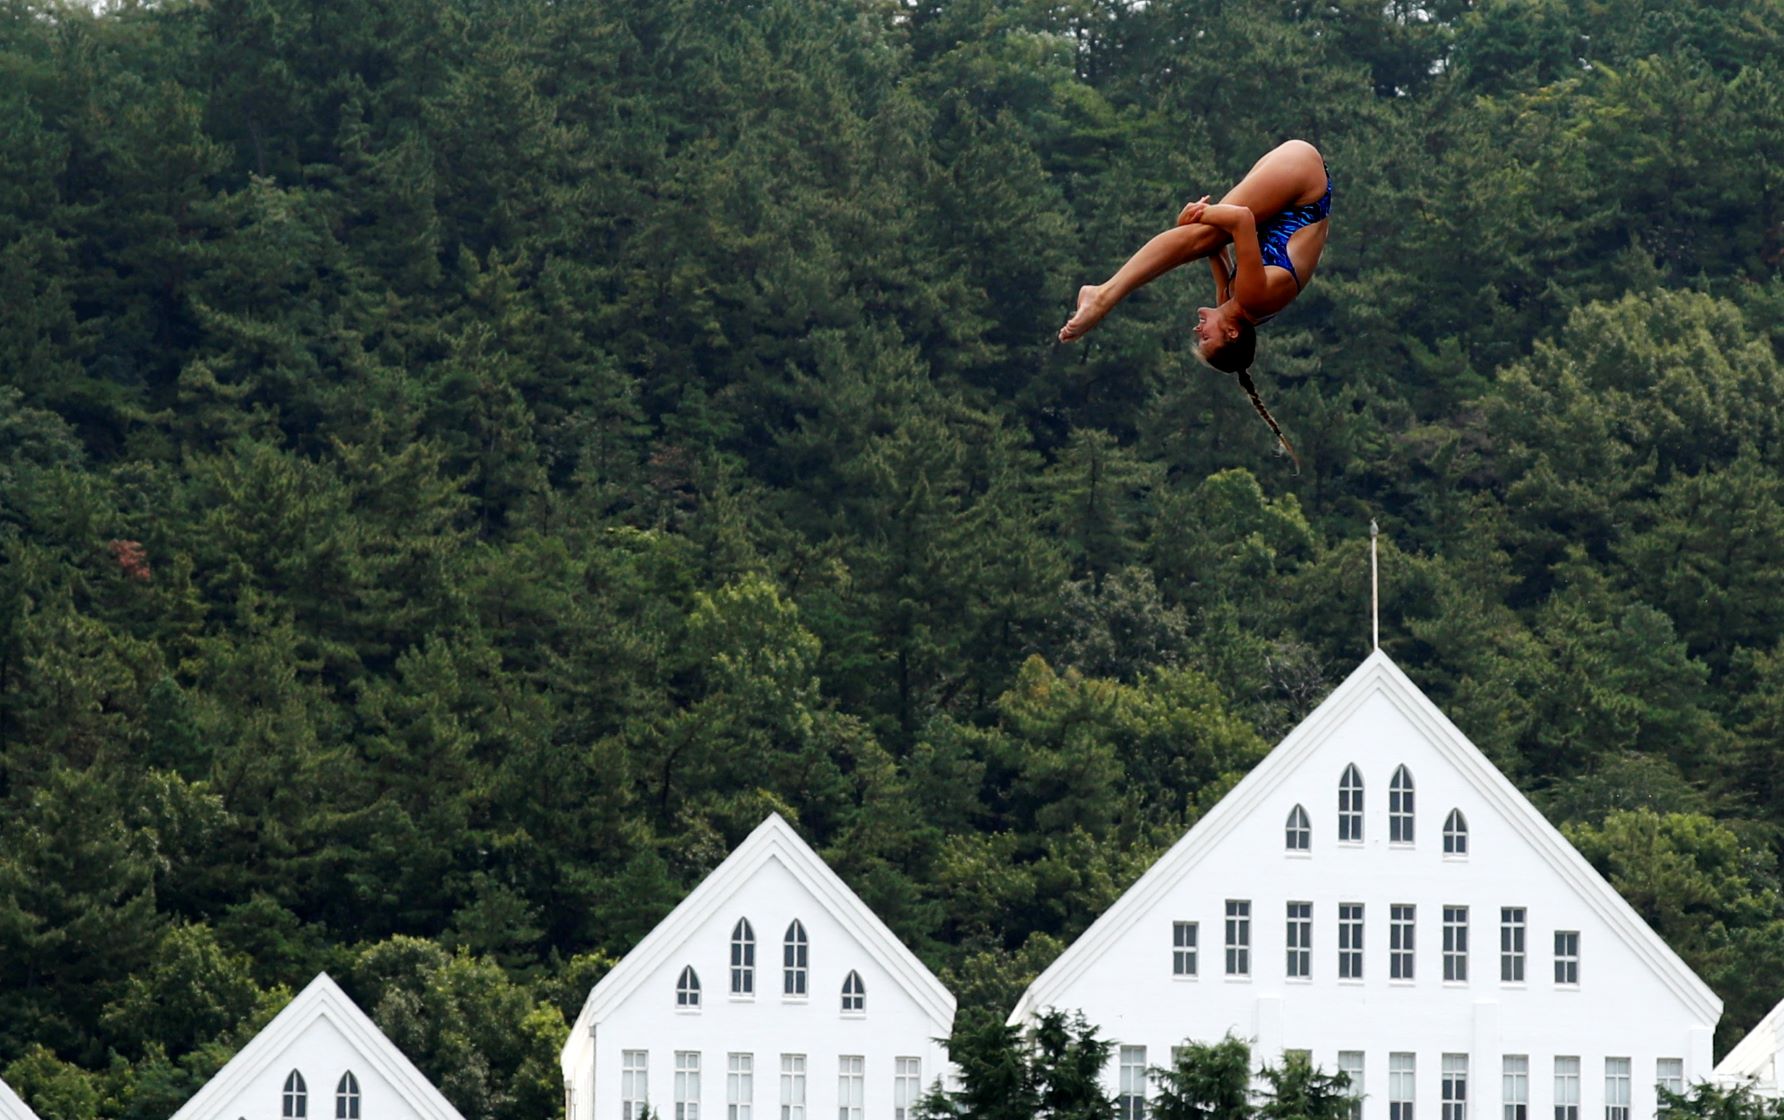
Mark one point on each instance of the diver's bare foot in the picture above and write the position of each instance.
(1091, 310)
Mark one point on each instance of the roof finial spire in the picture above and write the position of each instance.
(1374, 586)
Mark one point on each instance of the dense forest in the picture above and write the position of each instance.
(463, 462)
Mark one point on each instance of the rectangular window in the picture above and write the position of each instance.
(1616, 1089)
(1511, 944)
(1400, 940)
(634, 1080)
(740, 1085)
(1669, 1074)
(1516, 1087)
(1131, 1103)
(687, 1085)
(1402, 1071)
(1238, 937)
(1350, 941)
(1300, 939)
(1455, 943)
(851, 1087)
(1567, 956)
(907, 1086)
(1350, 1064)
(1183, 948)
(1455, 1087)
(1567, 1089)
(792, 1085)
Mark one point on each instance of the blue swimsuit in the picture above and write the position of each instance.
(1273, 234)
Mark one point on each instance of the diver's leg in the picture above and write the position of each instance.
(1289, 175)
(1158, 256)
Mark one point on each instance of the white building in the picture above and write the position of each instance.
(1756, 1059)
(1377, 894)
(319, 1058)
(771, 992)
(11, 1107)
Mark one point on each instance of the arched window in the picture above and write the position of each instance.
(743, 959)
(854, 993)
(1350, 805)
(1455, 834)
(1400, 807)
(294, 1105)
(347, 1097)
(795, 960)
(687, 989)
(1298, 833)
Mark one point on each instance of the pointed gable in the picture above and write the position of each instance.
(1755, 1059)
(323, 1036)
(774, 844)
(1374, 701)
(11, 1107)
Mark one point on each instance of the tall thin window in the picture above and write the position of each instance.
(1300, 940)
(851, 1087)
(1567, 956)
(1511, 944)
(687, 990)
(1616, 1089)
(1400, 807)
(743, 958)
(795, 960)
(1298, 832)
(854, 994)
(1400, 940)
(347, 1097)
(1669, 1074)
(1350, 805)
(1350, 941)
(1131, 1104)
(907, 1086)
(1402, 1075)
(792, 1087)
(1455, 834)
(294, 1103)
(1455, 943)
(687, 1085)
(1567, 1089)
(1515, 1087)
(1183, 948)
(740, 1086)
(1350, 1064)
(1238, 937)
(1455, 1087)
(634, 1083)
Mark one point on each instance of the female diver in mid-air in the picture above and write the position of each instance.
(1276, 219)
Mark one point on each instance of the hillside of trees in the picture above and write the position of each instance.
(464, 462)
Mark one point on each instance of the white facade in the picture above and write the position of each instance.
(320, 1058)
(1603, 1007)
(11, 1107)
(858, 1041)
(1758, 1058)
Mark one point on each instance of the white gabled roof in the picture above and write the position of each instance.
(322, 1000)
(11, 1107)
(773, 840)
(1752, 1058)
(1378, 675)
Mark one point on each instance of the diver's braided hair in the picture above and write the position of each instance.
(1257, 402)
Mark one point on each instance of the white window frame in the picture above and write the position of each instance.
(1567, 958)
(1402, 1086)
(1617, 1077)
(1455, 944)
(1403, 941)
(1513, 924)
(1351, 1063)
(1400, 806)
(687, 989)
(1669, 1073)
(1455, 835)
(1184, 936)
(1567, 1088)
(854, 994)
(1515, 1086)
(294, 1099)
(1350, 941)
(1454, 1088)
(740, 1086)
(743, 959)
(347, 1097)
(1238, 937)
(687, 1085)
(1297, 832)
(795, 962)
(1300, 940)
(1350, 806)
(1130, 1099)
(634, 1083)
(792, 1087)
(907, 1086)
(851, 1087)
